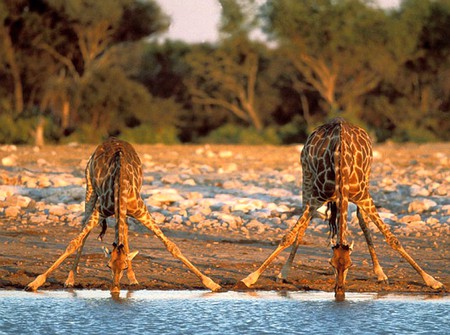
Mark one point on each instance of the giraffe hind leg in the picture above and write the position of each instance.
(395, 244)
(377, 269)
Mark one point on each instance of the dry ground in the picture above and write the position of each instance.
(28, 250)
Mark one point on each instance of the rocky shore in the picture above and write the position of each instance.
(243, 193)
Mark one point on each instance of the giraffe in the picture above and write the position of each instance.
(113, 183)
(336, 162)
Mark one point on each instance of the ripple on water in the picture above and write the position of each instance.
(200, 312)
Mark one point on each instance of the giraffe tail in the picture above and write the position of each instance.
(120, 206)
(342, 189)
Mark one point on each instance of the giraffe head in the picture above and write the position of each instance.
(341, 262)
(118, 262)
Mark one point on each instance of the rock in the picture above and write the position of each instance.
(38, 219)
(225, 154)
(228, 168)
(256, 225)
(189, 182)
(171, 179)
(232, 184)
(166, 196)
(420, 206)
(12, 211)
(57, 210)
(288, 178)
(9, 160)
(8, 148)
(158, 217)
(196, 218)
(42, 162)
(416, 190)
(410, 218)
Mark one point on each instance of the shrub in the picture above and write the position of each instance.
(146, 133)
(233, 134)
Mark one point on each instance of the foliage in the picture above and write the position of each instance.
(82, 70)
(147, 133)
(233, 134)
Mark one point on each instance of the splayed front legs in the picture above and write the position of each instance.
(286, 241)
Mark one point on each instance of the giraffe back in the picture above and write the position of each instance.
(111, 159)
(332, 149)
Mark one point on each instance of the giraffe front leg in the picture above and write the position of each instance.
(377, 269)
(71, 248)
(396, 245)
(285, 242)
(145, 218)
(283, 275)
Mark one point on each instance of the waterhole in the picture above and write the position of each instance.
(201, 312)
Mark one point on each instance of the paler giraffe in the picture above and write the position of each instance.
(113, 183)
(336, 162)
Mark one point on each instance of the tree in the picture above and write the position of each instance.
(55, 48)
(341, 48)
(226, 77)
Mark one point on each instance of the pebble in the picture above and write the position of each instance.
(230, 196)
(420, 206)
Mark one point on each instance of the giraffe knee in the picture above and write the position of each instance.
(394, 242)
(173, 248)
(288, 239)
(73, 246)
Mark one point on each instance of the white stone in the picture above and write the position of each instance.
(158, 217)
(12, 211)
(225, 154)
(421, 205)
(167, 196)
(9, 160)
(57, 210)
(418, 191)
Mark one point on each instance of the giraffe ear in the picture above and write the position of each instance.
(133, 254)
(106, 251)
(351, 246)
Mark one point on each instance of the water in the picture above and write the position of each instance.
(199, 312)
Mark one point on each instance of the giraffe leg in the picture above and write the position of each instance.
(71, 248)
(285, 242)
(145, 218)
(282, 276)
(130, 273)
(91, 199)
(395, 244)
(70, 281)
(377, 269)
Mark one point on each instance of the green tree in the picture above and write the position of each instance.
(226, 77)
(341, 48)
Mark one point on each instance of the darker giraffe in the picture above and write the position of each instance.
(336, 162)
(114, 180)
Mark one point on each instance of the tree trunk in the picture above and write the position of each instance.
(15, 71)
(39, 133)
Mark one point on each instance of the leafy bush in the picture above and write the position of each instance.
(146, 133)
(18, 131)
(232, 134)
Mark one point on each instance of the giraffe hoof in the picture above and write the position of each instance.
(29, 288)
(281, 280)
(383, 281)
(241, 286)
